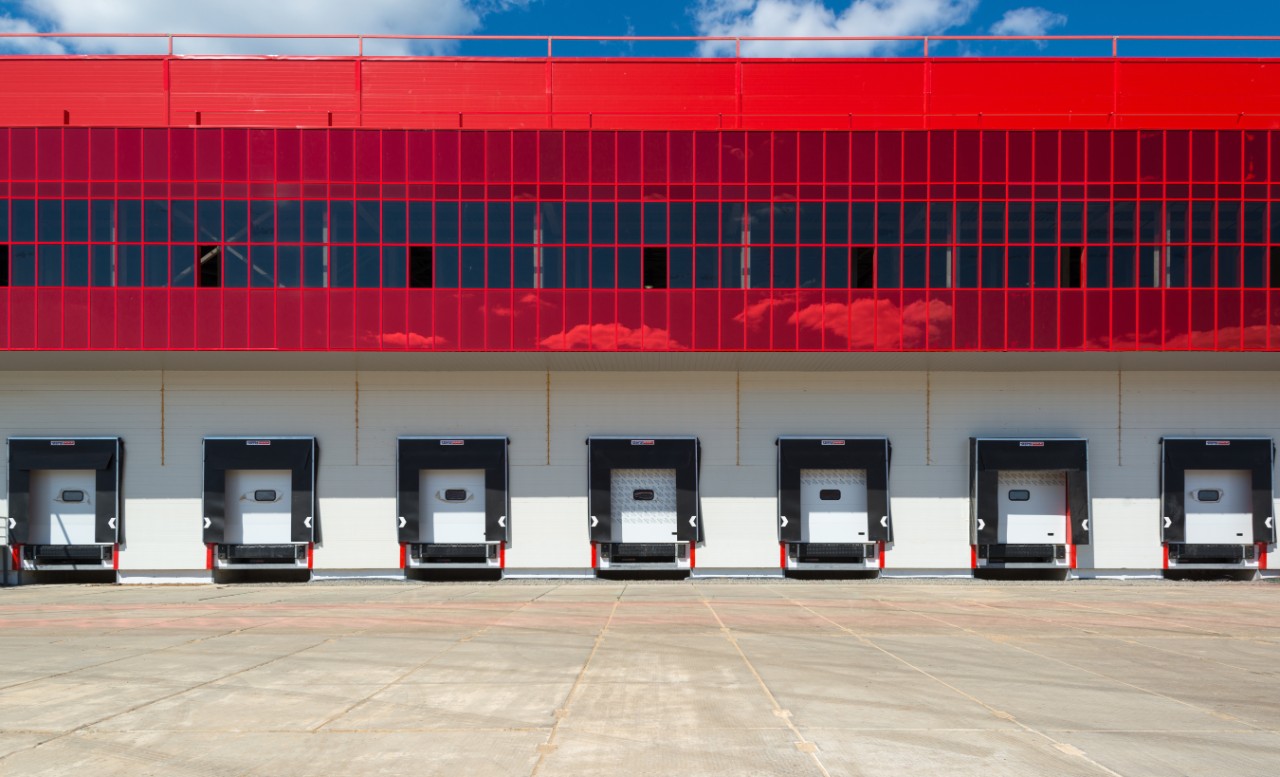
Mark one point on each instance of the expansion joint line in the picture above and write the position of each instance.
(802, 742)
(548, 747)
(480, 632)
(184, 690)
(1065, 748)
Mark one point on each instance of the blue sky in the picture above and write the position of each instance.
(652, 17)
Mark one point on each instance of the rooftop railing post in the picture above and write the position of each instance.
(926, 45)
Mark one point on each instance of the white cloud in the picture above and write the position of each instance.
(811, 18)
(290, 17)
(1028, 21)
(9, 24)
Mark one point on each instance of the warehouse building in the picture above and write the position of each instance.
(385, 316)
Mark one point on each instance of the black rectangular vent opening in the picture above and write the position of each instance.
(1071, 267)
(209, 266)
(421, 267)
(655, 267)
(455, 495)
(264, 495)
(862, 267)
(829, 495)
(4, 265)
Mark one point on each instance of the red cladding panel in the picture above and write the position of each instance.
(127, 92)
(1227, 94)
(1006, 89)
(621, 87)
(263, 92)
(877, 93)
(444, 88)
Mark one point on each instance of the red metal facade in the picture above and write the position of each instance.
(570, 93)
(992, 136)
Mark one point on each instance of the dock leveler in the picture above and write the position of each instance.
(260, 502)
(833, 502)
(1217, 508)
(453, 502)
(64, 503)
(643, 502)
(1028, 501)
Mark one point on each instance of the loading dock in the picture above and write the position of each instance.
(259, 502)
(453, 502)
(1217, 509)
(64, 503)
(1028, 501)
(833, 502)
(644, 506)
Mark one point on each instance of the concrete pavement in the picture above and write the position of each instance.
(637, 678)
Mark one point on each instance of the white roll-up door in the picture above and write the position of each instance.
(453, 506)
(643, 502)
(1033, 508)
(833, 505)
(1219, 506)
(62, 507)
(259, 507)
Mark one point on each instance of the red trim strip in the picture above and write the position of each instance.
(593, 556)
(1072, 554)
(881, 544)
(502, 555)
(1165, 549)
(403, 554)
(1262, 555)
(208, 555)
(311, 547)
(693, 555)
(782, 555)
(115, 557)
(17, 558)
(973, 556)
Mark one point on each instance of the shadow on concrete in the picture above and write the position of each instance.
(1038, 575)
(453, 575)
(1238, 575)
(233, 576)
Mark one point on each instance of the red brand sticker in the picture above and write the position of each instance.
(453, 442)
(1217, 442)
(1031, 445)
(257, 442)
(642, 442)
(833, 442)
(62, 442)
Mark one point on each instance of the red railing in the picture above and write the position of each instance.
(359, 41)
